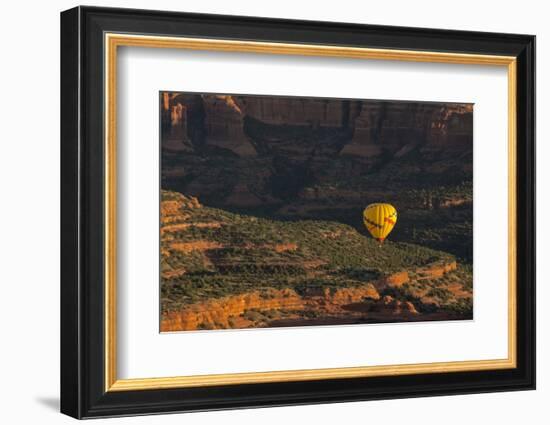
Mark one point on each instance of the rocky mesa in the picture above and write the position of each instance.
(221, 270)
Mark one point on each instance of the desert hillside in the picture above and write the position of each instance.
(324, 159)
(226, 270)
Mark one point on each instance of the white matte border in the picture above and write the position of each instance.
(143, 352)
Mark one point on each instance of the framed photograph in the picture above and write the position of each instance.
(261, 212)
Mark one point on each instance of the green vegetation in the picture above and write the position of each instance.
(442, 294)
(463, 306)
(253, 253)
(451, 293)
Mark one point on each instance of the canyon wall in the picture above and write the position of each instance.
(391, 126)
(375, 126)
(297, 111)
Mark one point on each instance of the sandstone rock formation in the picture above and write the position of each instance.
(224, 125)
(219, 313)
(451, 126)
(377, 125)
(391, 306)
(392, 126)
(313, 112)
(174, 121)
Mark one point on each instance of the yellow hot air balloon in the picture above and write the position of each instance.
(379, 219)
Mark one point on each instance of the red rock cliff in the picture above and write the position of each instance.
(377, 126)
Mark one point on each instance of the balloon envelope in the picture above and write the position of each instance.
(379, 219)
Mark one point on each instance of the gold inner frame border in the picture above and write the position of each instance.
(111, 43)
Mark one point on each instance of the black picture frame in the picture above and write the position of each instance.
(83, 392)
